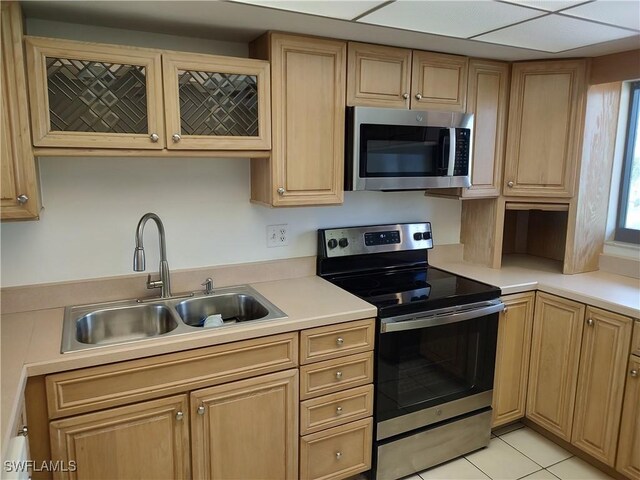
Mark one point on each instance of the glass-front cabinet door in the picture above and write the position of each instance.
(87, 95)
(216, 103)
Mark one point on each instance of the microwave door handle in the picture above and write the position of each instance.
(444, 141)
(390, 325)
(452, 152)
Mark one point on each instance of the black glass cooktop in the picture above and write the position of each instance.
(405, 291)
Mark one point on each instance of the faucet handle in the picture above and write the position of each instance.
(208, 286)
(153, 283)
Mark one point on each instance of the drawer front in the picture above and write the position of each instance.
(336, 409)
(335, 375)
(335, 341)
(338, 452)
(635, 343)
(96, 388)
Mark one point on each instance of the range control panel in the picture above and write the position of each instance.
(338, 242)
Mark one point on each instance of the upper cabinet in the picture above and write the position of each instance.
(94, 96)
(308, 78)
(380, 76)
(545, 120)
(18, 172)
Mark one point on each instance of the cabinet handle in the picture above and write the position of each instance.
(339, 410)
(22, 199)
(338, 375)
(281, 191)
(338, 455)
(23, 431)
(418, 96)
(510, 184)
(405, 96)
(590, 322)
(176, 137)
(201, 410)
(505, 309)
(340, 341)
(179, 415)
(154, 137)
(633, 373)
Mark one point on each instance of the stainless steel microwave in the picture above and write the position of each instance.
(392, 149)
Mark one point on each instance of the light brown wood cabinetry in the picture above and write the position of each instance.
(603, 358)
(512, 358)
(147, 440)
(380, 76)
(545, 123)
(308, 78)
(335, 375)
(324, 343)
(246, 429)
(20, 196)
(555, 354)
(628, 461)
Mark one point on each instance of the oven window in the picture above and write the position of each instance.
(403, 151)
(423, 368)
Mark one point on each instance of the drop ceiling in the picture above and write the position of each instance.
(500, 29)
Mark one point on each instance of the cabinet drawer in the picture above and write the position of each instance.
(335, 341)
(635, 343)
(95, 388)
(335, 375)
(338, 452)
(336, 409)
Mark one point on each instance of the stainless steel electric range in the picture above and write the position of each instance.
(435, 344)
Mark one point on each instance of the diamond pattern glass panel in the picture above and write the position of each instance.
(86, 96)
(219, 104)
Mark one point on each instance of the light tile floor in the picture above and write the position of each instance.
(515, 452)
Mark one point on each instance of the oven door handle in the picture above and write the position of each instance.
(392, 325)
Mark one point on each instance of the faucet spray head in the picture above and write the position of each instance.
(138, 260)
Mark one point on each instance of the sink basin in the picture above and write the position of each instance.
(233, 307)
(123, 324)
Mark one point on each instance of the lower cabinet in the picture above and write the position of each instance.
(628, 461)
(148, 440)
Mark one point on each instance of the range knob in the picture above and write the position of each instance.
(333, 243)
(417, 236)
(426, 235)
(343, 242)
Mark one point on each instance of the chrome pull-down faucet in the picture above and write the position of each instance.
(164, 283)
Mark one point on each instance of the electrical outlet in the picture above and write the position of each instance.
(277, 235)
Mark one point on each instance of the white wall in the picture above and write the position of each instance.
(92, 206)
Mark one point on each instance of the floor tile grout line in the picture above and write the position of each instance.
(563, 460)
(475, 466)
(553, 474)
(525, 476)
(541, 466)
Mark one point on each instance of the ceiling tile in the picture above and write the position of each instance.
(342, 9)
(548, 5)
(554, 33)
(452, 18)
(623, 13)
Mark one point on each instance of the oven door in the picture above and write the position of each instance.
(435, 367)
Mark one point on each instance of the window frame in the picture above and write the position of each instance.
(622, 234)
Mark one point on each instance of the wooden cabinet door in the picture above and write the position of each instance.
(246, 429)
(603, 361)
(487, 99)
(438, 82)
(628, 462)
(545, 128)
(216, 103)
(512, 358)
(553, 371)
(378, 76)
(145, 440)
(94, 96)
(18, 174)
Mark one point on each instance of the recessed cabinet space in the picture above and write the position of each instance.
(545, 124)
(19, 191)
(308, 85)
(380, 76)
(95, 96)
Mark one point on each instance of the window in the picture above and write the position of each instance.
(628, 223)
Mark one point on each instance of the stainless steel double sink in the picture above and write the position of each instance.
(106, 324)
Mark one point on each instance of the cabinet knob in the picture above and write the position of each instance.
(338, 455)
(633, 373)
(179, 415)
(338, 410)
(176, 137)
(590, 322)
(405, 95)
(510, 184)
(418, 96)
(23, 431)
(154, 137)
(22, 199)
(338, 374)
(280, 191)
(340, 341)
(201, 410)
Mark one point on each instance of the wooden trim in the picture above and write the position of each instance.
(321, 413)
(164, 153)
(545, 207)
(89, 389)
(616, 67)
(628, 459)
(321, 378)
(321, 343)
(444, 62)
(35, 395)
(635, 342)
